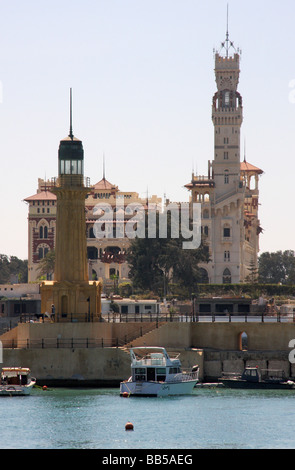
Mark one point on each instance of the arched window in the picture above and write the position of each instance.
(204, 278)
(41, 253)
(226, 277)
(41, 232)
(45, 232)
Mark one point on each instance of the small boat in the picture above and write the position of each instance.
(254, 378)
(16, 381)
(155, 374)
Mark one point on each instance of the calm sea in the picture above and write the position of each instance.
(95, 419)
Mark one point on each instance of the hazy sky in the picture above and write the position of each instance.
(142, 73)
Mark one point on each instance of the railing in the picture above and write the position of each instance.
(112, 317)
(61, 343)
(70, 180)
(72, 343)
(197, 317)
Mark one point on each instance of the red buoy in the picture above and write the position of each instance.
(125, 394)
(129, 426)
(44, 387)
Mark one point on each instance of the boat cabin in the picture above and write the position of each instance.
(253, 374)
(15, 376)
(149, 366)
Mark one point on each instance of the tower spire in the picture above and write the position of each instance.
(227, 44)
(104, 170)
(71, 116)
(227, 35)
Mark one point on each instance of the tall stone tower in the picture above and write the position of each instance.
(71, 293)
(227, 117)
(230, 224)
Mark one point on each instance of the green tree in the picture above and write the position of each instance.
(46, 265)
(156, 262)
(13, 267)
(253, 273)
(277, 267)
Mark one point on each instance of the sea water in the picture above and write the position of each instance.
(215, 418)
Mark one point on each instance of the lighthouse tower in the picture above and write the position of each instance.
(71, 296)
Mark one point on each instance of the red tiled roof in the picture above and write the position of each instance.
(42, 196)
(245, 166)
(105, 184)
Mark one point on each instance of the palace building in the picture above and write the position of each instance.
(106, 255)
(229, 193)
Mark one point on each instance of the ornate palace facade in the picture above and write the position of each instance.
(106, 255)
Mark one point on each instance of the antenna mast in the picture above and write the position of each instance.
(227, 34)
(104, 173)
(71, 116)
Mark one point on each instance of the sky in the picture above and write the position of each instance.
(142, 74)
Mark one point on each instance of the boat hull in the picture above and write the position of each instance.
(244, 384)
(157, 389)
(16, 390)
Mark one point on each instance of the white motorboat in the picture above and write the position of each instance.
(154, 373)
(16, 381)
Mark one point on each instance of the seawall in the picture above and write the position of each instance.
(215, 347)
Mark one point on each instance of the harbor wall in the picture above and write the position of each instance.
(97, 367)
(217, 335)
(215, 347)
(218, 362)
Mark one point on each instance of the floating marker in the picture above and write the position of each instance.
(128, 426)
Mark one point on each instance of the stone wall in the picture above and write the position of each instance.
(218, 362)
(215, 347)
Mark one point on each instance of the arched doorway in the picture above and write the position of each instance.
(243, 341)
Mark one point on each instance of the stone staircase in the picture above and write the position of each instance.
(147, 339)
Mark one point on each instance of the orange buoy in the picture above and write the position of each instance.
(128, 426)
(125, 394)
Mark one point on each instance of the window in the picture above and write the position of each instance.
(204, 278)
(226, 256)
(226, 232)
(226, 278)
(40, 251)
(225, 155)
(41, 232)
(226, 177)
(226, 97)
